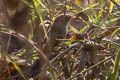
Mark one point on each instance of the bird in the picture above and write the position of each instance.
(19, 20)
(59, 29)
(12, 4)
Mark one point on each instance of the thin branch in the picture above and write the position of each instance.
(4, 9)
(62, 53)
(91, 67)
(117, 5)
(29, 42)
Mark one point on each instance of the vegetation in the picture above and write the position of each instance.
(59, 39)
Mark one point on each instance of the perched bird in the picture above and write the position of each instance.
(19, 20)
(58, 30)
(12, 4)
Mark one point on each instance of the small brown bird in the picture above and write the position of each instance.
(19, 20)
(12, 4)
(58, 30)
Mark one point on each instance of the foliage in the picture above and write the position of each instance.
(59, 39)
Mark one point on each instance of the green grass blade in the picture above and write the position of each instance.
(114, 75)
(43, 5)
(53, 77)
(91, 6)
(40, 16)
(17, 67)
(100, 15)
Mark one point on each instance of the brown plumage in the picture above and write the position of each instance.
(19, 20)
(58, 30)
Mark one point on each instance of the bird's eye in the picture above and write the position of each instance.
(67, 17)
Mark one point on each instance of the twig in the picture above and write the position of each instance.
(62, 53)
(92, 67)
(29, 42)
(117, 5)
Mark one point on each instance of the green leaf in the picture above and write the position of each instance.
(93, 5)
(53, 77)
(114, 74)
(40, 16)
(113, 33)
(61, 64)
(16, 66)
(83, 29)
(100, 15)
(43, 5)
